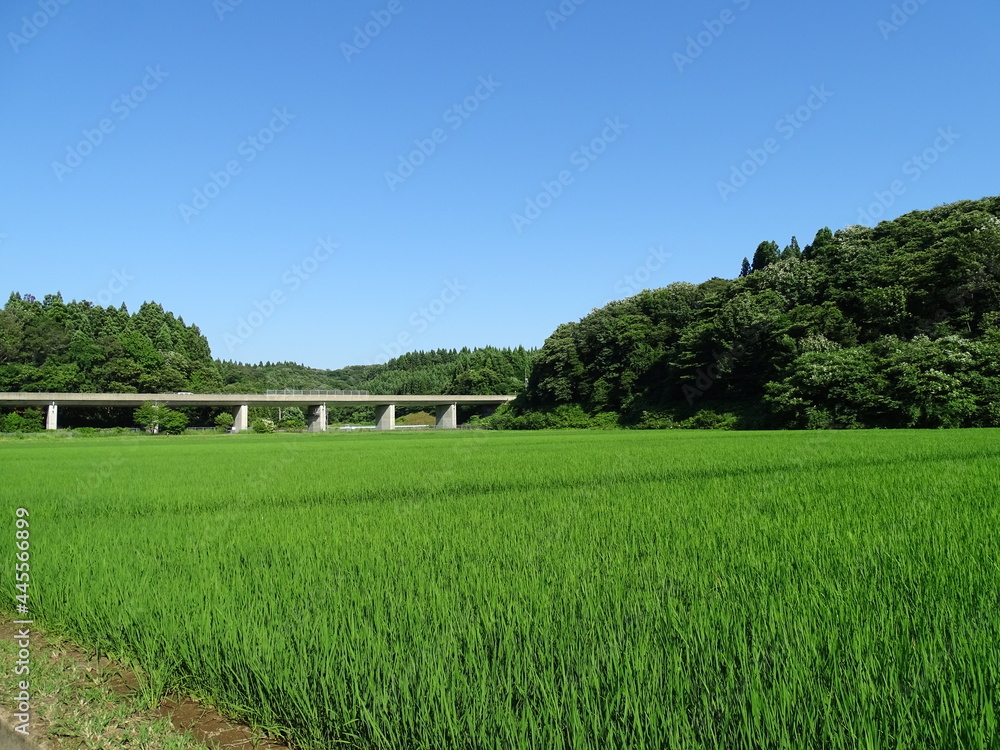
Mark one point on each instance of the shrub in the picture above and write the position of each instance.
(656, 420)
(292, 418)
(706, 419)
(818, 419)
(501, 419)
(263, 426)
(605, 420)
(30, 420)
(224, 421)
(568, 416)
(155, 417)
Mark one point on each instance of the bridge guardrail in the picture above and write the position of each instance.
(291, 392)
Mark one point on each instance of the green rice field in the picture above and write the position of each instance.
(674, 589)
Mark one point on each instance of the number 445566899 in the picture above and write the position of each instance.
(23, 555)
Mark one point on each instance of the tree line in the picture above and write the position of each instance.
(483, 371)
(891, 326)
(50, 345)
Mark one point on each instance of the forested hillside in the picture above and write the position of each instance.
(466, 371)
(892, 326)
(486, 371)
(52, 345)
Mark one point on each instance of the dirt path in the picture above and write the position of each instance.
(80, 703)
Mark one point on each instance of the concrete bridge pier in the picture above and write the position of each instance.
(316, 418)
(240, 417)
(315, 402)
(447, 416)
(385, 417)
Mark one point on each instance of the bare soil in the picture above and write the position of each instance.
(82, 677)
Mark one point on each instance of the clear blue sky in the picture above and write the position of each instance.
(838, 97)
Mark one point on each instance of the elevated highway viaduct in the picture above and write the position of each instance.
(314, 403)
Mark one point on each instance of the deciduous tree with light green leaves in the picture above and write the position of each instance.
(154, 417)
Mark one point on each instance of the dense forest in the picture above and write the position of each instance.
(485, 371)
(891, 326)
(53, 346)
(50, 345)
(467, 371)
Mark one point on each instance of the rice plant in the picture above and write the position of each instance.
(539, 590)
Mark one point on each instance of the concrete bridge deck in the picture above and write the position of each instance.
(239, 403)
